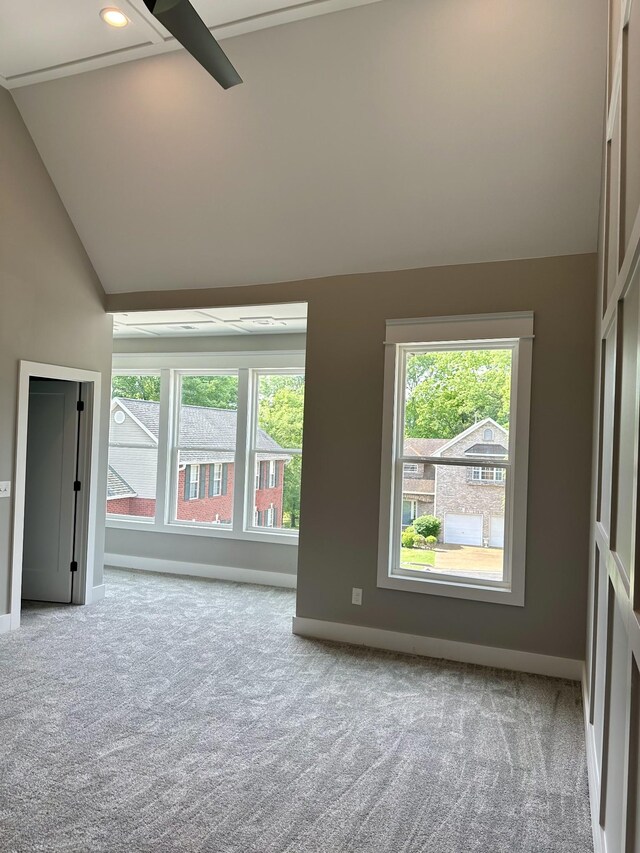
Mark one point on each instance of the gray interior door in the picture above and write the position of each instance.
(50, 497)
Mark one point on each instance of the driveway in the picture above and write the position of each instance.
(469, 559)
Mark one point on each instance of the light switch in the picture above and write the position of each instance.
(5, 489)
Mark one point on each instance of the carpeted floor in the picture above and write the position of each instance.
(182, 715)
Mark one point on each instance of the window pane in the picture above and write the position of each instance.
(204, 490)
(463, 508)
(277, 491)
(133, 446)
(449, 392)
(208, 407)
(205, 474)
(277, 473)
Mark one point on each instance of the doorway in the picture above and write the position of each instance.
(49, 558)
(55, 486)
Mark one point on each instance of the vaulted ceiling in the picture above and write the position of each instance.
(395, 134)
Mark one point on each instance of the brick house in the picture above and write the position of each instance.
(205, 477)
(469, 501)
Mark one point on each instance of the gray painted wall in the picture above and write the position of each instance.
(51, 302)
(343, 416)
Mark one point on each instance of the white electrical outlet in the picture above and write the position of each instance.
(5, 489)
(356, 595)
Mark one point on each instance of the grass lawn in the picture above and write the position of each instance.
(416, 557)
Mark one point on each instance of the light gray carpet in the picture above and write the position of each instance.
(182, 715)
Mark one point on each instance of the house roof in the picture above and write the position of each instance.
(201, 427)
(423, 446)
(117, 486)
(483, 423)
(487, 450)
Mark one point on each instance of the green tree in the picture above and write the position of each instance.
(136, 387)
(280, 414)
(446, 392)
(216, 392)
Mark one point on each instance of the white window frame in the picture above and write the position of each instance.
(482, 470)
(252, 456)
(271, 476)
(248, 365)
(113, 517)
(216, 479)
(497, 331)
(194, 482)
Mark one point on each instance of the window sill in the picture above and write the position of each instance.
(453, 589)
(185, 529)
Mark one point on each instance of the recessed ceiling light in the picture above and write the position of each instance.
(114, 17)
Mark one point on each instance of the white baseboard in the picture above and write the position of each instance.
(599, 842)
(98, 593)
(435, 648)
(5, 623)
(198, 570)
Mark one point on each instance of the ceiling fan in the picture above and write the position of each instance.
(184, 23)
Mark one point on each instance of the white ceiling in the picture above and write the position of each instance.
(41, 40)
(404, 133)
(245, 320)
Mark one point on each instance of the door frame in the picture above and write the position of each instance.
(90, 382)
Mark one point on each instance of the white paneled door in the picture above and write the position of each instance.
(50, 497)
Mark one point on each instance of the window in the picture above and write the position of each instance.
(206, 441)
(411, 468)
(487, 475)
(276, 448)
(215, 479)
(205, 449)
(133, 446)
(451, 386)
(192, 479)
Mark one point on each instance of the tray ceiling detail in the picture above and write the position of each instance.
(41, 41)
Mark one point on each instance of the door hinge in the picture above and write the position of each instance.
(80, 405)
(77, 486)
(74, 566)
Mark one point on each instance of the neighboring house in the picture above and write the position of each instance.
(419, 479)
(468, 501)
(205, 477)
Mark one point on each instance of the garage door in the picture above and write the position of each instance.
(496, 534)
(462, 529)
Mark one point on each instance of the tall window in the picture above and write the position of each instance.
(466, 383)
(276, 448)
(205, 446)
(133, 446)
(215, 451)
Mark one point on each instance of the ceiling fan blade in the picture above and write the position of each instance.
(184, 23)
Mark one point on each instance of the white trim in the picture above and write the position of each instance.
(98, 593)
(516, 331)
(150, 361)
(5, 623)
(89, 509)
(433, 647)
(199, 570)
(516, 324)
(599, 841)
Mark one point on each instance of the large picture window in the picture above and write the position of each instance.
(133, 446)
(456, 407)
(204, 452)
(219, 451)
